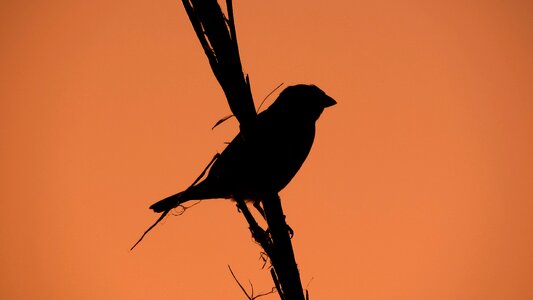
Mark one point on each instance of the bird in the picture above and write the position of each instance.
(265, 159)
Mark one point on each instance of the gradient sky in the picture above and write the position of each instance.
(419, 185)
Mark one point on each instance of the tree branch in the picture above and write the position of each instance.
(282, 257)
(218, 38)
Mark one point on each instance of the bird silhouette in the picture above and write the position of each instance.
(265, 159)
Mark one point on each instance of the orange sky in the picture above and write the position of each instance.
(419, 185)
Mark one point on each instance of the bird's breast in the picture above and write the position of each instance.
(266, 161)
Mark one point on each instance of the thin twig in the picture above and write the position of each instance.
(262, 102)
(224, 119)
(165, 213)
(238, 282)
(250, 297)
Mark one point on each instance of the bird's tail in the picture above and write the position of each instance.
(200, 191)
(169, 202)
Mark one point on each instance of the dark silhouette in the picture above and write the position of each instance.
(266, 154)
(270, 155)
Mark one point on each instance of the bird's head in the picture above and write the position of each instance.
(302, 100)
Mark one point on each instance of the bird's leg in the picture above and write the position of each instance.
(257, 205)
(258, 233)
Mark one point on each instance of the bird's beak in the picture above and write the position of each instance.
(328, 101)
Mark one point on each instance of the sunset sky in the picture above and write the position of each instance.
(419, 184)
